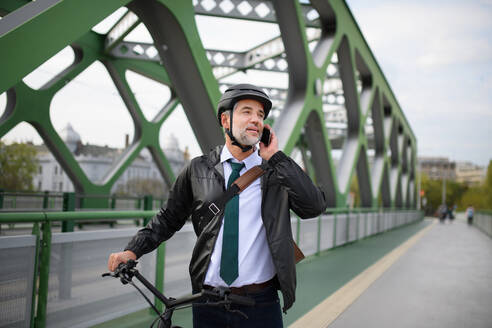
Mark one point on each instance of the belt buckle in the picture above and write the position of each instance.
(214, 209)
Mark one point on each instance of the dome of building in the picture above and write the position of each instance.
(171, 143)
(70, 136)
(170, 146)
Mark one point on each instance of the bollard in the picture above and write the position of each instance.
(138, 206)
(36, 232)
(159, 274)
(68, 206)
(113, 202)
(347, 227)
(334, 229)
(65, 268)
(46, 197)
(147, 207)
(113, 206)
(1, 204)
(44, 276)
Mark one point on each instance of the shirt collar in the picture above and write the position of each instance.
(250, 161)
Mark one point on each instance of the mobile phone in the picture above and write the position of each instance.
(266, 136)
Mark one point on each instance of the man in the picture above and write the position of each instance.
(469, 214)
(248, 246)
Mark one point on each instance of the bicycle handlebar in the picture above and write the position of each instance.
(219, 296)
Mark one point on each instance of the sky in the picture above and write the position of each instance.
(436, 56)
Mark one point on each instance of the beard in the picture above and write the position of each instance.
(243, 138)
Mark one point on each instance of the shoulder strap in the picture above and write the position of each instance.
(241, 183)
(236, 188)
(248, 177)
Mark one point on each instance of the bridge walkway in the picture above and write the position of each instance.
(441, 278)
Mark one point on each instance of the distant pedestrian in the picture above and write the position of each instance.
(443, 211)
(469, 214)
(450, 213)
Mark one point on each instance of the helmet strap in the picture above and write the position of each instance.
(234, 140)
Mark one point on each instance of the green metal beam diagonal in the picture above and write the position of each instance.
(173, 29)
(146, 132)
(33, 106)
(38, 24)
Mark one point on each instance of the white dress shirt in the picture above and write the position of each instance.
(254, 257)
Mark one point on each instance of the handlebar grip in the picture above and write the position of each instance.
(241, 300)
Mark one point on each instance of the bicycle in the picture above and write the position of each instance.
(220, 296)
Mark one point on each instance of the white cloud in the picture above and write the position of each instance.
(432, 34)
(455, 51)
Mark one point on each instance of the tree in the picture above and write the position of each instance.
(475, 197)
(18, 164)
(433, 193)
(488, 187)
(354, 191)
(454, 192)
(479, 197)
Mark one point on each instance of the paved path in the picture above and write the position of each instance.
(444, 280)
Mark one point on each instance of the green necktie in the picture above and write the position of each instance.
(229, 269)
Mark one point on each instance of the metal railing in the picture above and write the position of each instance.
(29, 201)
(49, 200)
(60, 257)
(483, 221)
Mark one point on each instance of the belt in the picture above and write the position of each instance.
(247, 289)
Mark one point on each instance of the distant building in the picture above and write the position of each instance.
(437, 168)
(469, 173)
(463, 172)
(96, 161)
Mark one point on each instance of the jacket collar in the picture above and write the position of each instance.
(252, 160)
(214, 160)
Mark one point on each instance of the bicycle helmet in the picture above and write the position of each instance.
(242, 91)
(238, 92)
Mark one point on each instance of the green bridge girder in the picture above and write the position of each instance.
(32, 32)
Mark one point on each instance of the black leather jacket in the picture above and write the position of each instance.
(284, 187)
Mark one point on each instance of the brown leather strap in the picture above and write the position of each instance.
(298, 254)
(248, 177)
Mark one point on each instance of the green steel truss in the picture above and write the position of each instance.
(382, 157)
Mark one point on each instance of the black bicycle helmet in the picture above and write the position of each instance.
(242, 91)
(231, 96)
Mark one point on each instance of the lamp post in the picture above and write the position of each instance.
(444, 188)
(419, 177)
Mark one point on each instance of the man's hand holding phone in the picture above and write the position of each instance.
(267, 150)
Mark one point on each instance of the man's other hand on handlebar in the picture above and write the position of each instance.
(122, 257)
